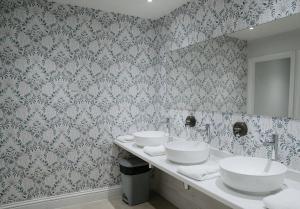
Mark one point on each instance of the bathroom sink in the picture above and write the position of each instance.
(150, 138)
(187, 152)
(251, 174)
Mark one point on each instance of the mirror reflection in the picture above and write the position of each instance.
(253, 71)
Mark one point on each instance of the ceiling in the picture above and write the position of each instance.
(279, 26)
(140, 8)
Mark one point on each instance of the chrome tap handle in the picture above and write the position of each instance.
(168, 125)
(206, 128)
(274, 143)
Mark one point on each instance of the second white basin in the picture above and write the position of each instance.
(150, 138)
(187, 152)
(251, 174)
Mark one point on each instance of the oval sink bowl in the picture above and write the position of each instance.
(251, 174)
(150, 138)
(187, 152)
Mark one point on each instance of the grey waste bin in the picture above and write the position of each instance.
(135, 174)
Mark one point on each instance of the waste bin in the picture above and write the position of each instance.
(135, 175)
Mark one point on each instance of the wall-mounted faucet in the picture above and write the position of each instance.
(240, 129)
(168, 125)
(190, 121)
(274, 143)
(206, 128)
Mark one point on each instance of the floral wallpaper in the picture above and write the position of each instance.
(189, 27)
(208, 76)
(203, 19)
(260, 129)
(71, 80)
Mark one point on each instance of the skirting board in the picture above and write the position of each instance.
(66, 199)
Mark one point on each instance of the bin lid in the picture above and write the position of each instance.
(133, 166)
(133, 162)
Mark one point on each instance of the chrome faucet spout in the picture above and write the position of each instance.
(206, 128)
(167, 123)
(274, 143)
(208, 134)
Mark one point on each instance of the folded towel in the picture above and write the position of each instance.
(125, 138)
(200, 172)
(154, 151)
(286, 199)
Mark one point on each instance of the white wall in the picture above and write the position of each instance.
(274, 44)
(272, 84)
(285, 42)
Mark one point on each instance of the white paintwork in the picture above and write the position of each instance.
(150, 138)
(187, 152)
(214, 188)
(251, 174)
(139, 8)
(66, 200)
(275, 27)
(251, 79)
(285, 42)
(297, 87)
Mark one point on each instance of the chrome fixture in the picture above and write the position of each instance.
(168, 125)
(206, 128)
(190, 121)
(240, 129)
(274, 143)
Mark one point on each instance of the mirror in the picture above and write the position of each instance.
(254, 71)
(271, 85)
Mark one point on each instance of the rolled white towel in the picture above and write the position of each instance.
(286, 199)
(200, 172)
(125, 138)
(155, 150)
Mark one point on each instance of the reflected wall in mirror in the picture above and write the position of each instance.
(253, 71)
(210, 76)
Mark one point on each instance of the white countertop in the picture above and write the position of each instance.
(213, 187)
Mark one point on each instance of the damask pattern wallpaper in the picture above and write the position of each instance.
(199, 21)
(208, 76)
(203, 19)
(72, 79)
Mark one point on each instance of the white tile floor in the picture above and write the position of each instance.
(156, 202)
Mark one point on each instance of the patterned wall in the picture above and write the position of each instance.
(199, 21)
(208, 76)
(203, 19)
(71, 80)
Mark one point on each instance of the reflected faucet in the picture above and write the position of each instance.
(274, 143)
(168, 125)
(240, 129)
(206, 128)
(190, 121)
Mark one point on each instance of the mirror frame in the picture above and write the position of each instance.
(251, 79)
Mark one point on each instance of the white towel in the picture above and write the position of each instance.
(125, 138)
(155, 150)
(286, 199)
(200, 172)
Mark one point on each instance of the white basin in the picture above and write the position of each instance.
(150, 138)
(251, 174)
(187, 152)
